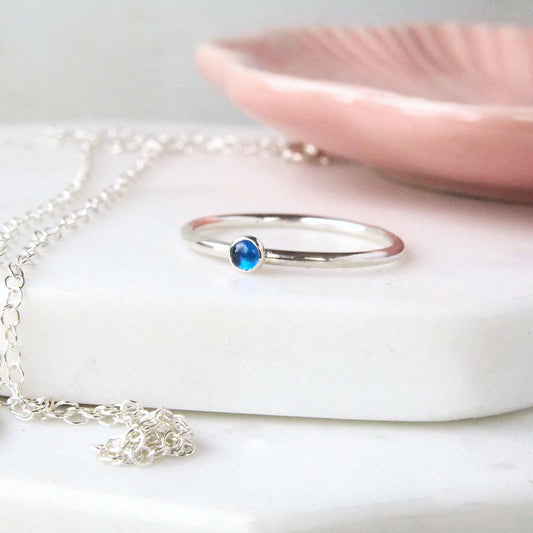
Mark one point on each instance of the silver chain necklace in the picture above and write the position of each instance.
(151, 433)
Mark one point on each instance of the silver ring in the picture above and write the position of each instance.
(248, 254)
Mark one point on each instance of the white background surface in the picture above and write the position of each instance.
(276, 475)
(133, 59)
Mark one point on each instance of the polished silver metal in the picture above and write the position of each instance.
(390, 246)
(151, 433)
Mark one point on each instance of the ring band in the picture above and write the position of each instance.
(248, 254)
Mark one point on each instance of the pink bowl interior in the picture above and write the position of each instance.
(447, 106)
(466, 64)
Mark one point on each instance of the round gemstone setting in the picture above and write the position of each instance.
(246, 254)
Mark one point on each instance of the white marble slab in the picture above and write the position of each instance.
(276, 475)
(123, 309)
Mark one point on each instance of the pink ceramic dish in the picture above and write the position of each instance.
(447, 106)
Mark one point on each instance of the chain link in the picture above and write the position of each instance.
(150, 433)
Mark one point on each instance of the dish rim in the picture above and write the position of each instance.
(415, 105)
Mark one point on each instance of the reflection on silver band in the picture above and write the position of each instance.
(248, 254)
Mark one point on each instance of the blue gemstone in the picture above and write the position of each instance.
(245, 254)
